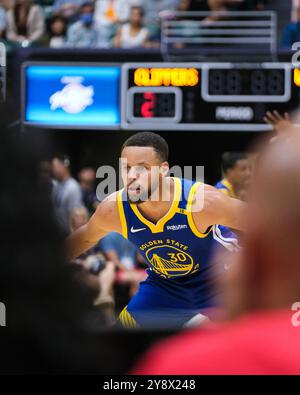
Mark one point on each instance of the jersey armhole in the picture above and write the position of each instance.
(189, 213)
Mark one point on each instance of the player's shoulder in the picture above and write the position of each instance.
(206, 189)
(109, 202)
(207, 196)
(109, 205)
(107, 212)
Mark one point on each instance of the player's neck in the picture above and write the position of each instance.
(159, 205)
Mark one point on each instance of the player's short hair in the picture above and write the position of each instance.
(149, 139)
(229, 159)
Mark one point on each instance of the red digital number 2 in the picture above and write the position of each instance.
(147, 106)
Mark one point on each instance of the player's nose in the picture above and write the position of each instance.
(132, 174)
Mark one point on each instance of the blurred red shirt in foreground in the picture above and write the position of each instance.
(259, 343)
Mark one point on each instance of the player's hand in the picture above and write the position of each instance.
(106, 278)
(281, 124)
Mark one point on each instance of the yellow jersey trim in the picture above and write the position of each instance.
(190, 214)
(127, 320)
(225, 191)
(229, 186)
(122, 214)
(181, 211)
(159, 226)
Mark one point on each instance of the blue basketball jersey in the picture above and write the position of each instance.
(173, 247)
(182, 277)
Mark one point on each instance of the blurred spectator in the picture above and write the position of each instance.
(295, 4)
(184, 5)
(126, 258)
(2, 21)
(67, 9)
(119, 250)
(132, 34)
(152, 19)
(66, 192)
(112, 248)
(86, 178)
(215, 6)
(291, 33)
(221, 5)
(25, 23)
(84, 33)
(45, 176)
(187, 26)
(236, 172)
(245, 5)
(97, 274)
(111, 12)
(98, 277)
(258, 5)
(7, 4)
(193, 5)
(57, 28)
(78, 218)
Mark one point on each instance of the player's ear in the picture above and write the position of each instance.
(164, 169)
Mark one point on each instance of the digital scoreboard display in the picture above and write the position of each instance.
(71, 95)
(206, 96)
(157, 96)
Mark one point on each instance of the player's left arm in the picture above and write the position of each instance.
(210, 207)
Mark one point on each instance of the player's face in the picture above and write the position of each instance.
(242, 172)
(140, 172)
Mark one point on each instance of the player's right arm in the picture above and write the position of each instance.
(105, 220)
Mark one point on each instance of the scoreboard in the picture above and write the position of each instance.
(206, 96)
(158, 96)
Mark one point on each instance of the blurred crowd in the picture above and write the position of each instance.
(98, 23)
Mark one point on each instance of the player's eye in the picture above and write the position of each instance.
(140, 169)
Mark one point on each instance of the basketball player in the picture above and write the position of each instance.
(174, 234)
(236, 171)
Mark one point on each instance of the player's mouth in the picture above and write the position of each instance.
(134, 190)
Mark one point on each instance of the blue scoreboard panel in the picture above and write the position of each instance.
(71, 96)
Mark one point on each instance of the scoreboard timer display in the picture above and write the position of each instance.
(206, 96)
